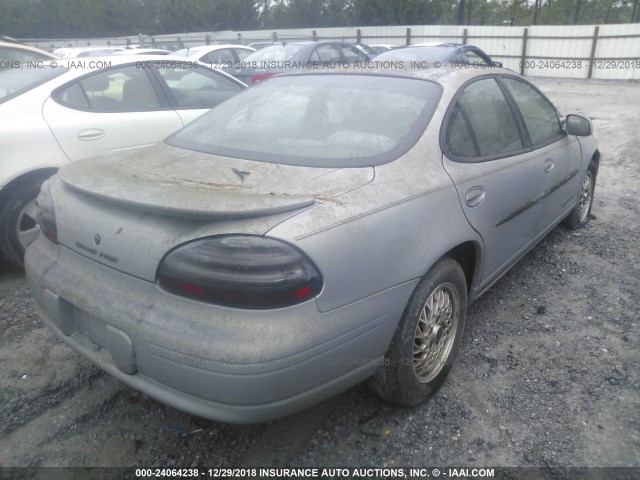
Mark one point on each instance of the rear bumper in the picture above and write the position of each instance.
(225, 364)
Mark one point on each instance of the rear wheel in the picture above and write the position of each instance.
(18, 222)
(423, 348)
(579, 216)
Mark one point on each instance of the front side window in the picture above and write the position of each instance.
(539, 115)
(317, 120)
(489, 117)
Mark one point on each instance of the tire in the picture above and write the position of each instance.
(409, 375)
(580, 215)
(18, 223)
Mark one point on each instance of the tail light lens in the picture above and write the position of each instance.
(261, 76)
(46, 214)
(243, 271)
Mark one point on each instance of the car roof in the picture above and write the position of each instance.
(92, 47)
(447, 76)
(201, 48)
(142, 51)
(439, 45)
(314, 42)
(22, 46)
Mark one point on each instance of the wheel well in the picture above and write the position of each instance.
(16, 182)
(595, 160)
(465, 255)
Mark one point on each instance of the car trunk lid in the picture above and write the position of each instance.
(128, 210)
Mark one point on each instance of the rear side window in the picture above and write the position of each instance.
(122, 89)
(458, 136)
(539, 115)
(489, 118)
(74, 96)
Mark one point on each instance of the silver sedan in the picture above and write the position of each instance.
(301, 238)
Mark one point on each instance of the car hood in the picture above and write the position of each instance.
(181, 183)
(127, 210)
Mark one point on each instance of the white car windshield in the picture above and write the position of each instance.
(325, 120)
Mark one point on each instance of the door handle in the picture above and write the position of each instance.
(548, 165)
(90, 134)
(475, 196)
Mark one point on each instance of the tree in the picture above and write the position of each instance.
(460, 18)
(576, 12)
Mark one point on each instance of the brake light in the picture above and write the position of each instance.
(46, 214)
(261, 76)
(243, 271)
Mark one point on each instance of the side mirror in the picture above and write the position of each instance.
(577, 125)
(497, 64)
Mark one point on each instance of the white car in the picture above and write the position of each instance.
(143, 51)
(224, 55)
(76, 108)
(80, 52)
(383, 48)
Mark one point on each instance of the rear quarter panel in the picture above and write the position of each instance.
(386, 233)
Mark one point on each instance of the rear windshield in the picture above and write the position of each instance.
(16, 81)
(416, 54)
(325, 120)
(275, 53)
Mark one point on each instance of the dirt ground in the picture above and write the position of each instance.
(548, 374)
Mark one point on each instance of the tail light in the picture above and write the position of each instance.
(243, 271)
(46, 214)
(261, 76)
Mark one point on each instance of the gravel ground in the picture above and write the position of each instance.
(548, 374)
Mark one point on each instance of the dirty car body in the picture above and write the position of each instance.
(279, 250)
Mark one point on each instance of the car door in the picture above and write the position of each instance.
(108, 110)
(559, 153)
(497, 177)
(194, 91)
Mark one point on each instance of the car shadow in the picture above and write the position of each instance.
(9, 273)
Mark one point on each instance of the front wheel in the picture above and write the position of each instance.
(18, 221)
(424, 345)
(579, 216)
